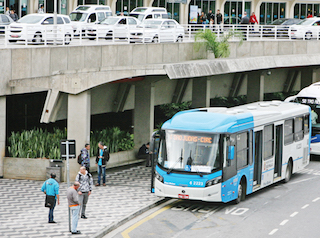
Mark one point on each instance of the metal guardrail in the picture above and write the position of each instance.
(64, 35)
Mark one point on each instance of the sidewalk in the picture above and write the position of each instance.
(22, 211)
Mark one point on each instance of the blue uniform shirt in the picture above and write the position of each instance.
(51, 186)
(100, 160)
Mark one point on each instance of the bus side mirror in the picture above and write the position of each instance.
(230, 152)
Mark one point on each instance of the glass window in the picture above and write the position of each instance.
(288, 131)
(303, 11)
(123, 21)
(4, 19)
(298, 128)
(59, 20)
(66, 20)
(262, 13)
(296, 11)
(92, 18)
(268, 141)
(48, 21)
(282, 10)
(306, 124)
(242, 149)
(132, 21)
(101, 16)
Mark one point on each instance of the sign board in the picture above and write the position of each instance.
(193, 14)
(72, 148)
(177, 1)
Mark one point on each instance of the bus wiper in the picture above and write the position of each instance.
(190, 163)
(180, 159)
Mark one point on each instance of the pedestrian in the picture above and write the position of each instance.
(7, 11)
(86, 183)
(309, 15)
(211, 17)
(203, 18)
(253, 19)
(143, 153)
(14, 15)
(244, 21)
(86, 157)
(73, 202)
(102, 158)
(219, 17)
(51, 190)
(41, 9)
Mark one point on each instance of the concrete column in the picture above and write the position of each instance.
(308, 76)
(78, 125)
(255, 86)
(200, 92)
(2, 132)
(143, 112)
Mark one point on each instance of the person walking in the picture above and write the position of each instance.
(219, 17)
(86, 183)
(210, 17)
(14, 15)
(102, 158)
(51, 189)
(86, 157)
(73, 202)
(244, 21)
(253, 19)
(203, 18)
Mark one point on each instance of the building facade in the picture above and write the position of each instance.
(266, 11)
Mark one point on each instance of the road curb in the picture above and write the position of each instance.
(115, 225)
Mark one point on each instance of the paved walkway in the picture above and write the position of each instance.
(23, 215)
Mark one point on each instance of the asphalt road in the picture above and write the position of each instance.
(281, 210)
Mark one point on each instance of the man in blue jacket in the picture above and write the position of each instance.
(51, 188)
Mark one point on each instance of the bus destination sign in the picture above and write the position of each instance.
(189, 138)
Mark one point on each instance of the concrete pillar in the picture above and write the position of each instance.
(200, 92)
(143, 112)
(78, 125)
(308, 76)
(2, 132)
(255, 86)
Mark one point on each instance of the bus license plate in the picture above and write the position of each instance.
(184, 196)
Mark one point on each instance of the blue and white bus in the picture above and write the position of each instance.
(223, 154)
(311, 96)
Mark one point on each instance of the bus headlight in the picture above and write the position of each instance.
(159, 177)
(213, 181)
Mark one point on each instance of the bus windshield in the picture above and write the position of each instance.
(314, 103)
(189, 152)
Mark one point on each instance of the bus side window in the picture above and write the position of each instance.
(306, 124)
(231, 142)
(288, 131)
(242, 150)
(298, 128)
(268, 141)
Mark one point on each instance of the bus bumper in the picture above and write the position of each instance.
(208, 194)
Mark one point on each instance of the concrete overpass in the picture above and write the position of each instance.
(114, 78)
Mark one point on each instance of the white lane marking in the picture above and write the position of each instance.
(283, 222)
(277, 196)
(300, 181)
(305, 206)
(314, 200)
(273, 231)
(293, 214)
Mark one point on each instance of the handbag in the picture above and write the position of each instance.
(50, 200)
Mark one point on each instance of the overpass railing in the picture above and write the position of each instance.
(93, 35)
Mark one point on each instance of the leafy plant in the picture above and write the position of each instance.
(170, 109)
(218, 46)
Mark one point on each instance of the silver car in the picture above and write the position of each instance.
(157, 30)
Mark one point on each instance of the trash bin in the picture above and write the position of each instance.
(55, 167)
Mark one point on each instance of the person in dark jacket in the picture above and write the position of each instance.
(102, 158)
(14, 15)
(244, 21)
(144, 154)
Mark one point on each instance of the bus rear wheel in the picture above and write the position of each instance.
(288, 172)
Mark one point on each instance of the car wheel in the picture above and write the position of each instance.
(67, 39)
(308, 36)
(109, 35)
(12, 41)
(155, 39)
(37, 38)
(180, 39)
(91, 38)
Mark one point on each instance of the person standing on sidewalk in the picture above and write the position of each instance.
(86, 183)
(86, 157)
(101, 161)
(73, 202)
(51, 188)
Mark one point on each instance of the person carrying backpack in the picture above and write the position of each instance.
(84, 191)
(84, 157)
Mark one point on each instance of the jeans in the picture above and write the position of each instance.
(83, 199)
(74, 218)
(51, 211)
(103, 171)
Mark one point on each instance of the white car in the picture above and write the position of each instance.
(39, 28)
(158, 30)
(113, 27)
(307, 29)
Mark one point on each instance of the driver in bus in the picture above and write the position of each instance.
(314, 117)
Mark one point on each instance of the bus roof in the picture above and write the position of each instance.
(239, 118)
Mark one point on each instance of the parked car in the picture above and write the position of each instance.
(143, 13)
(39, 27)
(113, 27)
(157, 30)
(280, 26)
(84, 15)
(4, 21)
(308, 28)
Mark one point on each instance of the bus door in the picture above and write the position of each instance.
(230, 165)
(153, 152)
(257, 159)
(278, 154)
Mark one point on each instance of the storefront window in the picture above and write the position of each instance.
(270, 12)
(203, 6)
(233, 12)
(63, 5)
(303, 11)
(24, 7)
(2, 8)
(126, 6)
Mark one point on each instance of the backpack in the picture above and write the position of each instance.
(79, 158)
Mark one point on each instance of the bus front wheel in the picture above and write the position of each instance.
(288, 172)
(241, 192)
